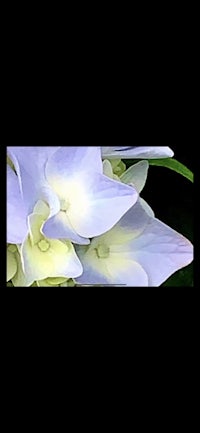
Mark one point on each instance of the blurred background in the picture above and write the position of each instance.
(171, 197)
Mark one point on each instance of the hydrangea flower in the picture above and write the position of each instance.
(57, 197)
(71, 180)
(139, 251)
(75, 219)
(40, 257)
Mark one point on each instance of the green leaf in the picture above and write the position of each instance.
(174, 165)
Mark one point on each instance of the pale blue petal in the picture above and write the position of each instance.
(159, 249)
(134, 152)
(16, 215)
(66, 162)
(93, 202)
(32, 158)
(30, 163)
(126, 272)
(107, 201)
(92, 276)
(101, 205)
(46, 194)
(59, 227)
(135, 220)
(117, 270)
(139, 250)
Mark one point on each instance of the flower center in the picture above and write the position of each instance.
(64, 205)
(43, 245)
(103, 251)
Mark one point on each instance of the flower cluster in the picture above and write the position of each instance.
(75, 217)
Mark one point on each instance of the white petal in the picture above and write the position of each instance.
(136, 175)
(107, 169)
(147, 208)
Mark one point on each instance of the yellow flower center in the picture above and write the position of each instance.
(43, 245)
(103, 251)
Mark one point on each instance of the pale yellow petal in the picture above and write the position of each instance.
(11, 265)
(20, 279)
(60, 260)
